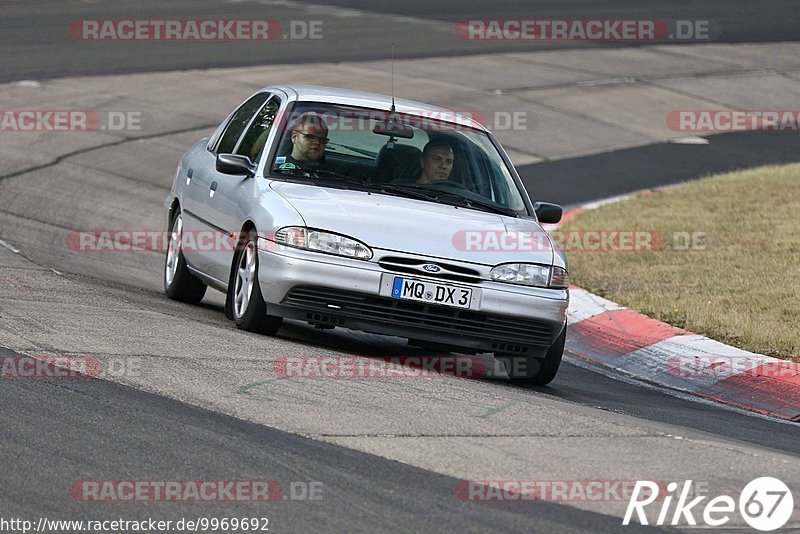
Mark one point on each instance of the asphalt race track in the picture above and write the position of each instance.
(139, 429)
(201, 403)
(35, 43)
(624, 171)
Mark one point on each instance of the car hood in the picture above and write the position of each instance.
(419, 227)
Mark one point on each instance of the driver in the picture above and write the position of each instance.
(436, 162)
(309, 137)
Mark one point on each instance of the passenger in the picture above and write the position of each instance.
(436, 162)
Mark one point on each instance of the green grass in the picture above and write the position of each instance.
(742, 287)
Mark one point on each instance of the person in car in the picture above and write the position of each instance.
(309, 137)
(436, 162)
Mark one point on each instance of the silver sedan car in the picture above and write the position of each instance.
(349, 209)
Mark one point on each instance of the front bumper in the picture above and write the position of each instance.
(335, 291)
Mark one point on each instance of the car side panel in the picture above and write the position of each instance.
(194, 195)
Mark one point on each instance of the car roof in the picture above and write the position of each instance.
(319, 93)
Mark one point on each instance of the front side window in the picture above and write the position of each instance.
(239, 121)
(423, 156)
(255, 138)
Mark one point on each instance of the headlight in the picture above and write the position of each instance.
(528, 274)
(319, 241)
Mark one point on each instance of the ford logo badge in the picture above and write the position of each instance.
(431, 268)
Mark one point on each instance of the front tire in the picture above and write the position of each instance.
(247, 307)
(536, 371)
(179, 283)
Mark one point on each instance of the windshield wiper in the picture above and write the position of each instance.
(409, 191)
(309, 173)
(488, 206)
(421, 193)
(467, 202)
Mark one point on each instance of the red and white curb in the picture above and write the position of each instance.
(608, 335)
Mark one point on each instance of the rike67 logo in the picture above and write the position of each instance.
(765, 504)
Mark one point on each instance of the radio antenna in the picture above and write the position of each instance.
(393, 108)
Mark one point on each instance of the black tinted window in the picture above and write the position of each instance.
(239, 122)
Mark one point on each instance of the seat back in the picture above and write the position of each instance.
(397, 163)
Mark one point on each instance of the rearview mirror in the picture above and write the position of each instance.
(548, 213)
(235, 164)
(393, 129)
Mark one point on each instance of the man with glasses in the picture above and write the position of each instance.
(309, 137)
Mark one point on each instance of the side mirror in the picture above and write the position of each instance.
(235, 164)
(548, 213)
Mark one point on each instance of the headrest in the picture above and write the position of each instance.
(396, 162)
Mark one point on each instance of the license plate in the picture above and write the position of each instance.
(431, 292)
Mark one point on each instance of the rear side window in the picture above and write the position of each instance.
(256, 136)
(239, 121)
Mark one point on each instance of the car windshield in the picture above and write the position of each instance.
(412, 155)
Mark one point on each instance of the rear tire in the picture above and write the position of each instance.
(535, 371)
(179, 283)
(246, 304)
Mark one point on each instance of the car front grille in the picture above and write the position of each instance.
(447, 271)
(422, 316)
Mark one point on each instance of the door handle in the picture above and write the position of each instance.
(189, 176)
(212, 189)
